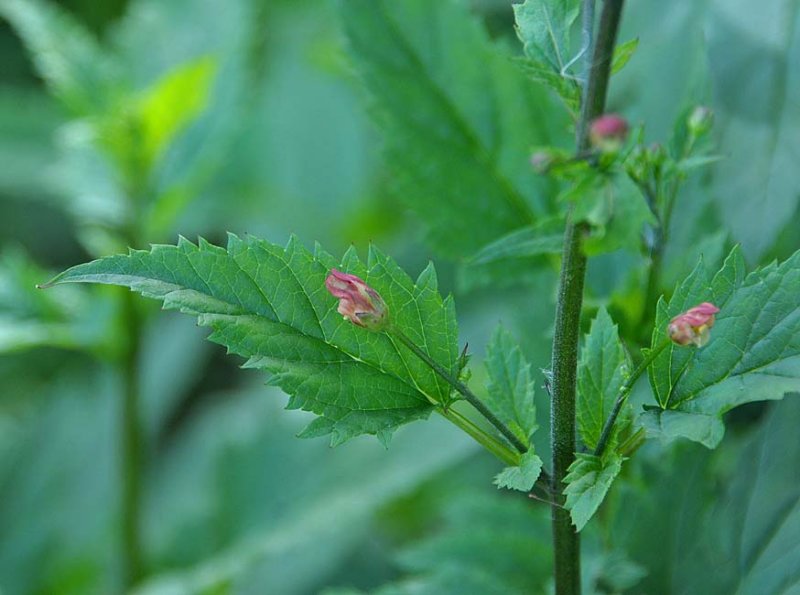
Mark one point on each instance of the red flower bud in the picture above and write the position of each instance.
(693, 326)
(608, 132)
(358, 302)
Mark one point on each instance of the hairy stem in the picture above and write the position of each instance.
(624, 391)
(566, 545)
(462, 388)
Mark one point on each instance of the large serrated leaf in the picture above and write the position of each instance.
(456, 156)
(602, 371)
(753, 354)
(269, 304)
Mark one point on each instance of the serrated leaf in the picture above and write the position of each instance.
(588, 480)
(567, 89)
(510, 386)
(623, 53)
(544, 237)
(544, 27)
(269, 305)
(753, 354)
(455, 158)
(602, 371)
(522, 477)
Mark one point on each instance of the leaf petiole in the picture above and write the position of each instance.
(624, 391)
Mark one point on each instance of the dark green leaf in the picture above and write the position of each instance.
(457, 159)
(753, 354)
(270, 305)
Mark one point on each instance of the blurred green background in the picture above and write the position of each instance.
(129, 122)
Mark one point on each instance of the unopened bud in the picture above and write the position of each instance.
(358, 302)
(693, 327)
(541, 161)
(700, 120)
(608, 132)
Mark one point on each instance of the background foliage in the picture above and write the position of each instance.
(408, 123)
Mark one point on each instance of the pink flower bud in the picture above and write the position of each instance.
(608, 132)
(693, 326)
(358, 302)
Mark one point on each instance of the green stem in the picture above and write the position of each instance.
(462, 389)
(624, 391)
(489, 442)
(131, 446)
(566, 545)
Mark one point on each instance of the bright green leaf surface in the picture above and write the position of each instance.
(602, 371)
(173, 102)
(623, 53)
(753, 354)
(269, 305)
(523, 477)
(422, 63)
(588, 481)
(511, 385)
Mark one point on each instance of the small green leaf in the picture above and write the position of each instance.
(753, 354)
(588, 480)
(511, 386)
(544, 27)
(622, 54)
(614, 208)
(602, 371)
(269, 304)
(544, 237)
(522, 477)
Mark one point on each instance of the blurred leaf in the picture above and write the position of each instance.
(623, 53)
(457, 160)
(602, 370)
(760, 522)
(719, 522)
(752, 354)
(32, 318)
(544, 237)
(757, 116)
(239, 502)
(588, 480)
(172, 103)
(72, 63)
(270, 305)
(499, 541)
